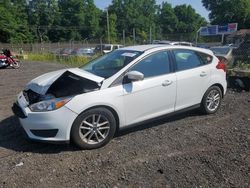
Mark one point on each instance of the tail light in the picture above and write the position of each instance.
(221, 66)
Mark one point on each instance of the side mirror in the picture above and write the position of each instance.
(133, 76)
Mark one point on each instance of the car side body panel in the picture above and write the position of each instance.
(191, 85)
(149, 98)
(110, 97)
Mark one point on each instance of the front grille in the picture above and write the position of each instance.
(31, 96)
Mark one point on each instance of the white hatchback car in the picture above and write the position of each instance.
(125, 87)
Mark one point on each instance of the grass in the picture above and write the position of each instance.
(71, 60)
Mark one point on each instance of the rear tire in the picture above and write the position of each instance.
(93, 129)
(211, 100)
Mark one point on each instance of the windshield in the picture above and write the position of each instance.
(109, 64)
(222, 51)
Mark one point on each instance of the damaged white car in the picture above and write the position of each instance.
(89, 104)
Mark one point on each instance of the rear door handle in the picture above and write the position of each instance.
(203, 74)
(167, 83)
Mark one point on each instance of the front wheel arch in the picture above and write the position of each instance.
(85, 135)
(115, 114)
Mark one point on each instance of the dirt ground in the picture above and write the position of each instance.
(187, 150)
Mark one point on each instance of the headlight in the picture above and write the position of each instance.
(49, 105)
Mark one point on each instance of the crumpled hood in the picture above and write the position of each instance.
(42, 83)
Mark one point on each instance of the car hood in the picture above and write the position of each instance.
(42, 83)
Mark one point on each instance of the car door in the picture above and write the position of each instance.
(193, 76)
(153, 96)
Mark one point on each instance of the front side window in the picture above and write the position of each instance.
(154, 65)
(186, 59)
(109, 64)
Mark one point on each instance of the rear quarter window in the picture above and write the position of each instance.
(205, 58)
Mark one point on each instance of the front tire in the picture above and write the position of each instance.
(93, 129)
(211, 100)
(15, 64)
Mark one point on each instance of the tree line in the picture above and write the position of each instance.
(23, 21)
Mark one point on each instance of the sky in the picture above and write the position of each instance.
(196, 4)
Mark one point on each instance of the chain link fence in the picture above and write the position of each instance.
(45, 47)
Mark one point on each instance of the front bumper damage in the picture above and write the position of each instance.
(44, 126)
(53, 125)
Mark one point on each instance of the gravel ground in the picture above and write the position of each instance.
(187, 150)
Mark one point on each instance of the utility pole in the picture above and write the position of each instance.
(85, 41)
(134, 35)
(197, 35)
(150, 35)
(108, 25)
(222, 39)
(123, 36)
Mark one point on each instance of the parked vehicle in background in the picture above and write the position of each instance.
(106, 48)
(239, 72)
(224, 53)
(161, 42)
(65, 52)
(243, 51)
(205, 46)
(56, 51)
(181, 43)
(86, 52)
(8, 59)
(125, 87)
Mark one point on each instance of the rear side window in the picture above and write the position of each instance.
(154, 65)
(187, 59)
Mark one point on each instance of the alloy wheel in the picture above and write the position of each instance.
(213, 100)
(94, 129)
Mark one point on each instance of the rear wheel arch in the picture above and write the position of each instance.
(205, 108)
(221, 88)
(218, 85)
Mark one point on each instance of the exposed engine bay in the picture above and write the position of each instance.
(68, 84)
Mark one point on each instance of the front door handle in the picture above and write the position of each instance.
(167, 83)
(203, 74)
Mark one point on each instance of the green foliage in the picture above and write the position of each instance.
(42, 14)
(25, 21)
(13, 21)
(167, 19)
(112, 26)
(225, 11)
(188, 20)
(138, 15)
(179, 20)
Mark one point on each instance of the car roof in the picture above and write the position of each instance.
(143, 48)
